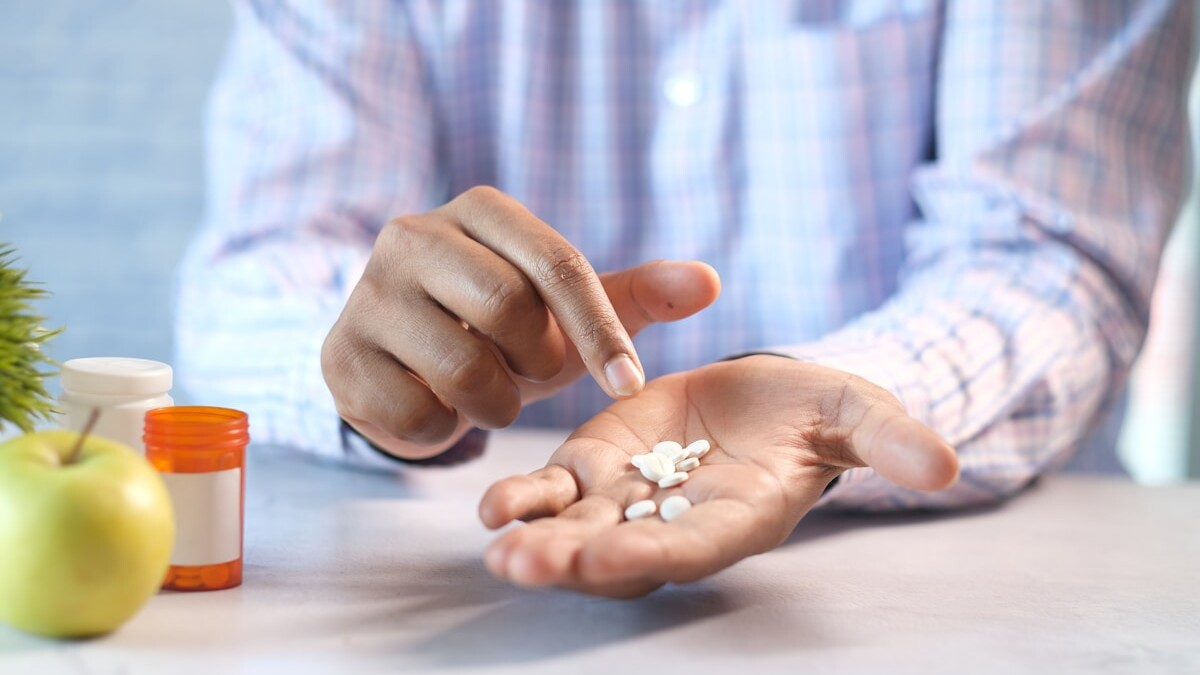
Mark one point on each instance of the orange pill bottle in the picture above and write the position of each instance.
(200, 452)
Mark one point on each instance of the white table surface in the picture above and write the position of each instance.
(349, 572)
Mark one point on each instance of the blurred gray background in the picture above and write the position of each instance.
(101, 184)
(101, 175)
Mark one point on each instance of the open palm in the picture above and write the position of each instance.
(780, 430)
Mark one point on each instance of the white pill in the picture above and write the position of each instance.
(697, 449)
(641, 509)
(636, 460)
(687, 464)
(673, 506)
(673, 479)
(655, 467)
(669, 449)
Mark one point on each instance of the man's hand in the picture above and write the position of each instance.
(781, 430)
(466, 313)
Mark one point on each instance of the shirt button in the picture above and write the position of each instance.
(682, 89)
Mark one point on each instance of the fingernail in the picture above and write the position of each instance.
(623, 377)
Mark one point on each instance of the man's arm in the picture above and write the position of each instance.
(1062, 159)
(321, 129)
(318, 123)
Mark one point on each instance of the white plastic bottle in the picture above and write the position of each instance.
(122, 388)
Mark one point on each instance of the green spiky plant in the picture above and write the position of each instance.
(23, 397)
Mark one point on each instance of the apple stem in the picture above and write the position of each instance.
(87, 429)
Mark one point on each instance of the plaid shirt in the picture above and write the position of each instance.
(964, 202)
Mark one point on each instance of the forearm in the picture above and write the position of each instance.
(292, 213)
(1004, 358)
(1060, 169)
(249, 332)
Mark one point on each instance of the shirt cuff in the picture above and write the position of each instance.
(362, 452)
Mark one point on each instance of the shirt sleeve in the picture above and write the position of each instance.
(1062, 158)
(319, 122)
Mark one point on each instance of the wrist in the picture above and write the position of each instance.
(466, 447)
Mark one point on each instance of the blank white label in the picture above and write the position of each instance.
(208, 516)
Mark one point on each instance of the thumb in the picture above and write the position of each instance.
(903, 450)
(661, 290)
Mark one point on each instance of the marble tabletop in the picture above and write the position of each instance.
(351, 572)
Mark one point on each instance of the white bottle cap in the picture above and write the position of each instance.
(115, 375)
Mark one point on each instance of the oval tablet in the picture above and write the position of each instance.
(655, 467)
(669, 449)
(641, 509)
(673, 506)
(697, 449)
(687, 464)
(673, 479)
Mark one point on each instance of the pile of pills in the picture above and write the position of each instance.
(667, 465)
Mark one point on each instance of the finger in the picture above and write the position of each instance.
(545, 492)
(656, 291)
(550, 490)
(543, 552)
(496, 300)
(563, 278)
(661, 290)
(709, 537)
(531, 557)
(903, 450)
(625, 590)
(454, 363)
(380, 398)
(557, 553)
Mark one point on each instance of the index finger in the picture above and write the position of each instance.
(563, 278)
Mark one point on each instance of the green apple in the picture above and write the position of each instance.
(85, 540)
